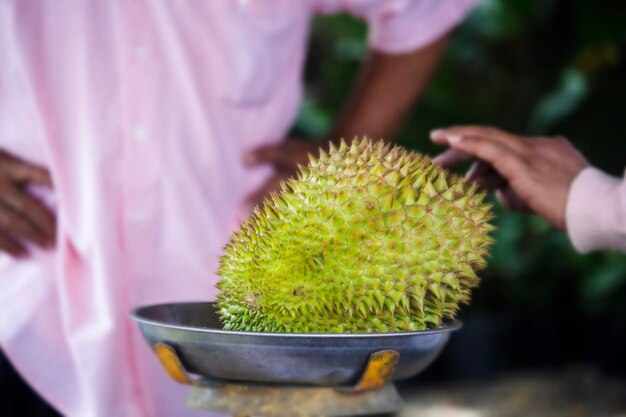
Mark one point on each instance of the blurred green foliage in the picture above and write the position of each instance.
(540, 67)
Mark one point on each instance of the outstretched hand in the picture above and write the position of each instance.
(528, 174)
(285, 157)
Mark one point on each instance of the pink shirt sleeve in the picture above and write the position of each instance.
(397, 26)
(596, 212)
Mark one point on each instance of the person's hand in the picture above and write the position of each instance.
(22, 216)
(285, 157)
(536, 173)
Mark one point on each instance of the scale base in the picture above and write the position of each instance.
(372, 394)
(265, 401)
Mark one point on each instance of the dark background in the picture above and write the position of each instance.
(541, 67)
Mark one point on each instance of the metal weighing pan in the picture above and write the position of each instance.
(205, 349)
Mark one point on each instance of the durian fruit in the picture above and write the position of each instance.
(367, 238)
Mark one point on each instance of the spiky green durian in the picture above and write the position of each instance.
(367, 238)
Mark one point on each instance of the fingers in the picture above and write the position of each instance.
(505, 160)
(22, 216)
(25, 172)
(442, 136)
(480, 172)
(14, 223)
(33, 211)
(272, 154)
(451, 158)
(494, 147)
(287, 156)
(12, 246)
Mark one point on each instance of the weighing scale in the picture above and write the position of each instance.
(284, 374)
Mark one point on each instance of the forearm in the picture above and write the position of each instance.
(596, 212)
(386, 89)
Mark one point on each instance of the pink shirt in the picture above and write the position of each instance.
(596, 212)
(143, 110)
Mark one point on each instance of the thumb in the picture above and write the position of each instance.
(509, 199)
